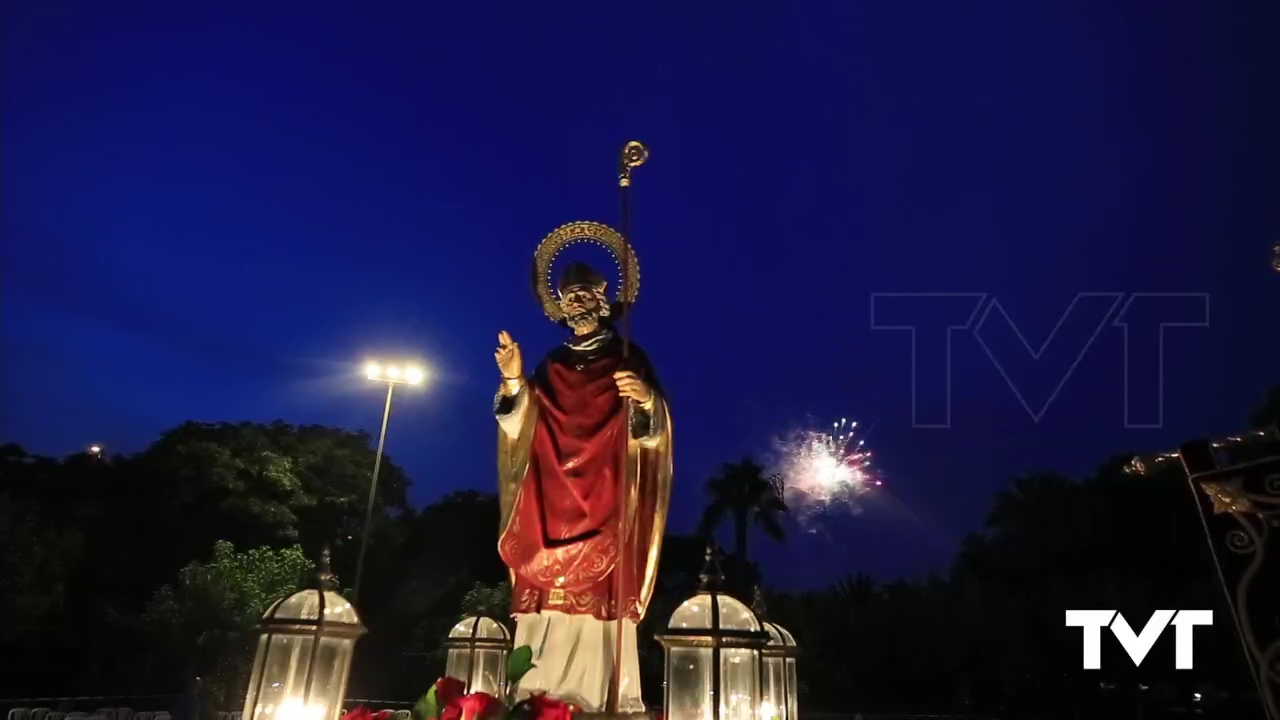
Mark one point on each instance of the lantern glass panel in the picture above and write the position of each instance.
(793, 709)
(695, 614)
(305, 605)
(281, 685)
(458, 664)
(787, 638)
(736, 616)
(773, 705)
(739, 675)
(689, 683)
(491, 629)
(463, 628)
(489, 674)
(252, 697)
(329, 674)
(480, 628)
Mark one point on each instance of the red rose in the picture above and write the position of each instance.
(358, 712)
(449, 691)
(545, 708)
(481, 706)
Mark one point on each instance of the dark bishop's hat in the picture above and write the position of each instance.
(580, 274)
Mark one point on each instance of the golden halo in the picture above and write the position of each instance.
(583, 232)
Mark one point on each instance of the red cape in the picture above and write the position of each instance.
(562, 497)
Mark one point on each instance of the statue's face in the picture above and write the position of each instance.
(582, 307)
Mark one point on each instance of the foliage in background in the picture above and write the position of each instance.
(988, 635)
(748, 497)
(34, 561)
(490, 600)
(413, 590)
(227, 594)
(209, 614)
(274, 484)
(146, 516)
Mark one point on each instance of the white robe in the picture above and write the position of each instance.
(573, 660)
(573, 654)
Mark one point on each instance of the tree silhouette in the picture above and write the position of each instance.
(1267, 413)
(856, 590)
(208, 615)
(744, 494)
(87, 542)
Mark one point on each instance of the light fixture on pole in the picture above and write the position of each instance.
(392, 375)
(305, 644)
(95, 450)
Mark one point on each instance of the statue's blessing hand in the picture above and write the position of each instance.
(508, 357)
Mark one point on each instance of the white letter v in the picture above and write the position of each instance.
(1139, 645)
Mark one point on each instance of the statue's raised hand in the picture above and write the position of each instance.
(508, 357)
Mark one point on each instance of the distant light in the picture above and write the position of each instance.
(414, 375)
(393, 373)
(1196, 696)
(372, 370)
(95, 449)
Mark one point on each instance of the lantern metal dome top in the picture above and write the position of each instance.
(480, 631)
(781, 642)
(317, 610)
(711, 618)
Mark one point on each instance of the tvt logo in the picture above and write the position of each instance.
(1139, 644)
(1037, 374)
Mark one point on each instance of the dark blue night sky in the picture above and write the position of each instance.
(216, 211)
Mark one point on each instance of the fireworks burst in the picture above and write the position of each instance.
(823, 470)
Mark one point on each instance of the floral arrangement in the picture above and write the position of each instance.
(448, 700)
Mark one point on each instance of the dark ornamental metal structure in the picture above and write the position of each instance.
(1236, 482)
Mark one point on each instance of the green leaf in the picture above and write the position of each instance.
(518, 663)
(426, 708)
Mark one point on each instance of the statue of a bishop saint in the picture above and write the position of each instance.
(584, 462)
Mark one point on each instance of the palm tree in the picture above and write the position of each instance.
(744, 493)
(856, 590)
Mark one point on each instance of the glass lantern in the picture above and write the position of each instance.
(778, 675)
(304, 653)
(478, 649)
(713, 649)
(778, 687)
